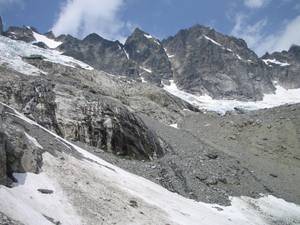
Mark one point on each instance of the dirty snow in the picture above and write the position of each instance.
(280, 97)
(11, 53)
(47, 41)
(269, 62)
(25, 203)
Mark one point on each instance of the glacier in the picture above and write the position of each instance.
(281, 96)
(12, 53)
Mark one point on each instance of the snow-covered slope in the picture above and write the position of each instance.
(280, 97)
(47, 41)
(11, 53)
(88, 190)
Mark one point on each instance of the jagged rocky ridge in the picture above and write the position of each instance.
(200, 60)
(285, 66)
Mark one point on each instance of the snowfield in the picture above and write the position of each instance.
(11, 53)
(47, 41)
(280, 97)
(88, 190)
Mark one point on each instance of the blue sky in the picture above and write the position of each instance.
(266, 25)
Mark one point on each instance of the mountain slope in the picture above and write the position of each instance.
(68, 169)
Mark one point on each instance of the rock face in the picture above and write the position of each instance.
(285, 66)
(100, 53)
(207, 62)
(19, 151)
(92, 107)
(110, 126)
(20, 33)
(150, 55)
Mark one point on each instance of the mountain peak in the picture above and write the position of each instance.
(93, 37)
(138, 30)
(138, 33)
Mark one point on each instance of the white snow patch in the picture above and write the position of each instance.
(11, 53)
(238, 56)
(280, 97)
(25, 203)
(175, 125)
(148, 36)
(156, 41)
(22, 203)
(213, 41)
(269, 62)
(49, 42)
(126, 53)
(33, 141)
(143, 80)
(145, 69)
(169, 56)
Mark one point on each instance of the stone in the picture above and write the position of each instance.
(45, 191)
(212, 156)
(133, 204)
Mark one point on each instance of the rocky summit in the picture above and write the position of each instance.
(194, 129)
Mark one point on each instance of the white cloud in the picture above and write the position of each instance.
(255, 3)
(82, 17)
(261, 42)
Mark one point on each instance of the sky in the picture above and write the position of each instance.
(266, 25)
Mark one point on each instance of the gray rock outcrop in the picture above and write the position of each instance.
(19, 151)
(150, 55)
(207, 62)
(285, 66)
(20, 33)
(102, 54)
